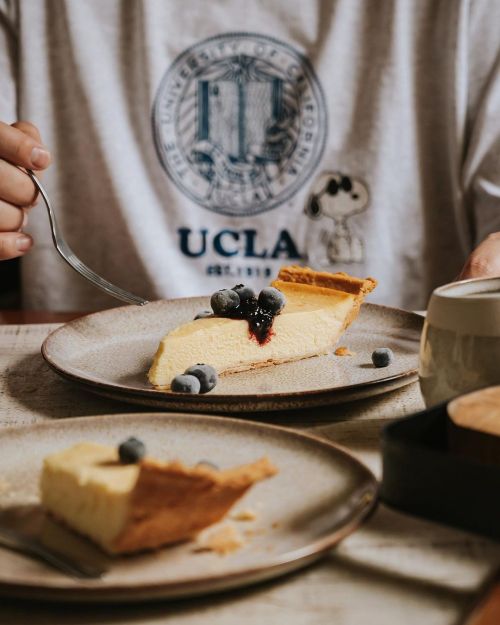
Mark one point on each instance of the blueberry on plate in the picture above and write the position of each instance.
(382, 357)
(204, 313)
(272, 300)
(131, 451)
(244, 292)
(224, 302)
(185, 384)
(206, 374)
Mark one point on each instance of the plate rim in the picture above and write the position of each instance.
(276, 566)
(215, 398)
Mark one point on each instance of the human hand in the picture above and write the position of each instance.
(20, 144)
(484, 261)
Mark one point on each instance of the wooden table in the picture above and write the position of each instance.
(395, 570)
(36, 316)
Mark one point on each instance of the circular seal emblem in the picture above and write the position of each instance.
(240, 123)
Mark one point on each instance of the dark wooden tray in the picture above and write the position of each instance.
(422, 476)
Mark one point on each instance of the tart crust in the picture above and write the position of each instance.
(171, 502)
(340, 281)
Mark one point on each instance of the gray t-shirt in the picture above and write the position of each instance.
(197, 145)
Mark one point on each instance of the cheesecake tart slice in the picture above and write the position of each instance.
(126, 508)
(319, 307)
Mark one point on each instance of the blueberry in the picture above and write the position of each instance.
(204, 313)
(206, 374)
(272, 300)
(249, 306)
(382, 357)
(224, 302)
(131, 450)
(185, 384)
(245, 292)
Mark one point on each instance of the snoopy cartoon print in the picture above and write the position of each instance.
(338, 197)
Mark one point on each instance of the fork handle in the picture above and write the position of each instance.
(59, 561)
(72, 259)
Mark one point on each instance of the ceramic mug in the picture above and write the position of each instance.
(460, 343)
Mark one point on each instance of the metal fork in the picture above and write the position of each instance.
(72, 259)
(64, 563)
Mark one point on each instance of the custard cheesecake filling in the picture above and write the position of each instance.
(319, 306)
(89, 489)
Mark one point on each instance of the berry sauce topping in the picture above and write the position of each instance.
(260, 320)
(259, 312)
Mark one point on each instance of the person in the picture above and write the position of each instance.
(196, 146)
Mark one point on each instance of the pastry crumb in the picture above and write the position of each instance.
(244, 515)
(223, 540)
(275, 525)
(344, 351)
(250, 533)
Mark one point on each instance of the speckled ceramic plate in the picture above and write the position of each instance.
(110, 353)
(320, 495)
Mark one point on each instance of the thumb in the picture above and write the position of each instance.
(13, 244)
(21, 148)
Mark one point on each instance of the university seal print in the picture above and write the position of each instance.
(240, 123)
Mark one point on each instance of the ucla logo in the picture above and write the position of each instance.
(240, 123)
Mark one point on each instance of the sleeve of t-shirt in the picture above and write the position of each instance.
(481, 170)
(8, 63)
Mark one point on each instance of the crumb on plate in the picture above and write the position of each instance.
(244, 515)
(344, 351)
(250, 533)
(223, 540)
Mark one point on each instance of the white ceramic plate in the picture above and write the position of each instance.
(320, 495)
(110, 353)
